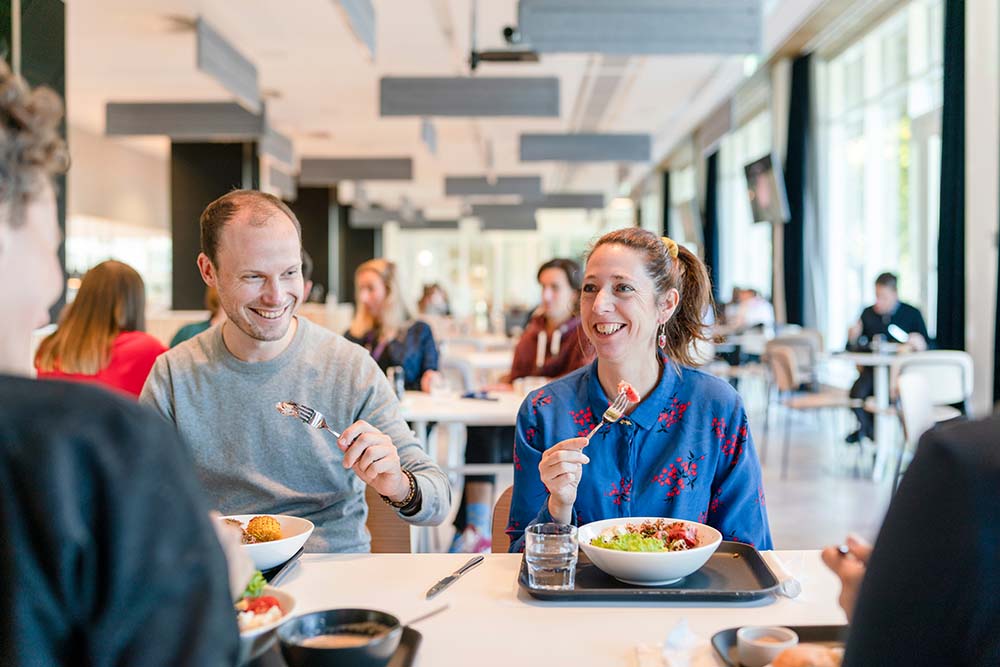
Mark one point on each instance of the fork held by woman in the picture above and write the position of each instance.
(614, 412)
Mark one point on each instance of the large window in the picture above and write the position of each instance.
(880, 104)
(744, 246)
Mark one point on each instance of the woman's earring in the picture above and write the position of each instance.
(661, 338)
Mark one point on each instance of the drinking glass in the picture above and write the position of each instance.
(550, 550)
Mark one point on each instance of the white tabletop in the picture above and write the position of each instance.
(422, 407)
(496, 360)
(866, 358)
(491, 622)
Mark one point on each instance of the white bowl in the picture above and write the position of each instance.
(757, 646)
(254, 642)
(266, 555)
(654, 568)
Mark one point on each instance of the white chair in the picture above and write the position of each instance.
(916, 411)
(949, 375)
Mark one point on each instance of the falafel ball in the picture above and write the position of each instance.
(264, 529)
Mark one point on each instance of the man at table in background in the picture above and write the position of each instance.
(892, 320)
(221, 389)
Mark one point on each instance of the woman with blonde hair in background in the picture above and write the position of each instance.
(101, 334)
(382, 326)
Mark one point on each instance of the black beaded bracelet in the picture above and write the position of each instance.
(409, 496)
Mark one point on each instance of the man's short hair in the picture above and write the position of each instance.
(221, 211)
(886, 280)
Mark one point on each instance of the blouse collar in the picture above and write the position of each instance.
(646, 414)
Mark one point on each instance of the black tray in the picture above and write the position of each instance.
(403, 657)
(724, 642)
(735, 573)
(271, 573)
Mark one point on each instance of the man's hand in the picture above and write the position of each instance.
(373, 456)
(854, 332)
(915, 342)
(850, 568)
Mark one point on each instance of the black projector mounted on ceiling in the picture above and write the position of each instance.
(514, 53)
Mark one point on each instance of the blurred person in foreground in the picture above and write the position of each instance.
(926, 595)
(101, 336)
(683, 451)
(108, 556)
(382, 326)
(552, 345)
(888, 318)
(220, 389)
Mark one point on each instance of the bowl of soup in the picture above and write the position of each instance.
(340, 638)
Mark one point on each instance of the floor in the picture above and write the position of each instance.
(828, 491)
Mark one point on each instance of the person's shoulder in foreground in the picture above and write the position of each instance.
(930, 591)
(108, 554)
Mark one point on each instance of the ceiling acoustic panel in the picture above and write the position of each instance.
(467, 96)
(361, 17)
(282, 184)
(276, 145)
(195, 121)
(220, 60)
(586, 147)
(472, 186)
(328, 171)
(642, 27)
(505, 216)
(588, 200)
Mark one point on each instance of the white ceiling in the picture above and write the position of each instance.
(140, 50)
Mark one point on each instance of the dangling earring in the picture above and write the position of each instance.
(661, 338)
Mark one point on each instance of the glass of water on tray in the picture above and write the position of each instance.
(550, 550)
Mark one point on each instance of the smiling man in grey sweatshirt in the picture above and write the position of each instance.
(220, 388)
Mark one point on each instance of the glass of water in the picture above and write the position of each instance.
(550, 550)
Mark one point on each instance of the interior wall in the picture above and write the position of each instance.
(982, 198)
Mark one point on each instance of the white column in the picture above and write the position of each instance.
(982, 200)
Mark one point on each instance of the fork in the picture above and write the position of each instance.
(306, 415)
(614, 412)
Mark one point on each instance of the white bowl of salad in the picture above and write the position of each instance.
(260, 611)
(648, 551)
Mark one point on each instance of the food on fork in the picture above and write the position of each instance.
(648, 536)
(809, 655)
(630, 393)
(288, 409)
(255, 610)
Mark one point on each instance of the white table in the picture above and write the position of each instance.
(481, 342)
(420, 408)
(481, 364)
(491, 622)
(883, 419)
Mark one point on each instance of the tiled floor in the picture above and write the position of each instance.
(823, 497)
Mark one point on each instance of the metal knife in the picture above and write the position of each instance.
(453, 577)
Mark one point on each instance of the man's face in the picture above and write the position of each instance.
(886, 299)
(258, 273)
(30, 278)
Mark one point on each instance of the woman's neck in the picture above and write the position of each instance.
(552, 323)
(642, 371)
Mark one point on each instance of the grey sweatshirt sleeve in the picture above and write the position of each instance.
(157, 393)
(380, 408)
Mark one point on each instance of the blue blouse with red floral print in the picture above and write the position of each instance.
(684, 452)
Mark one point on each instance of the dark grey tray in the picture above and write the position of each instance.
(724, 641)
(735, 573)
(403, 657)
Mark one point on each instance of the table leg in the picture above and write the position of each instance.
(421, 535)
(883, 423)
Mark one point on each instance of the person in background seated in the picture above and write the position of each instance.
(886, 319)
(221, 389)
(748, 311)
(551, 346)
(927, 594)
(382, 326)
(101, 335)
(108, 555)
(309, 294)
(215, 316)
(434, 301)
(684, 450)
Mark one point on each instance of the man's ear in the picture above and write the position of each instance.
(207, 270)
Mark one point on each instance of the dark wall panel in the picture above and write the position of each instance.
(356, 246)
(199, 173)
(312, 208)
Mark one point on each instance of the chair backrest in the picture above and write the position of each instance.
(390, 534)
(501, 514)
(458, 372)
(949, 374)
(916, 407)
(807, 344)
(784, 369)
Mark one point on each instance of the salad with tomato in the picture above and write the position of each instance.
(254, 609)
(659, 535)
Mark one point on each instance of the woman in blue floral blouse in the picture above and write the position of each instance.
(684, 451)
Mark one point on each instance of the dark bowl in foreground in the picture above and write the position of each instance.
(380, 631)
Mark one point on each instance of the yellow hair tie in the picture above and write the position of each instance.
(671, 244)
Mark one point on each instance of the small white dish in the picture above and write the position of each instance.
(254, 642)
(758, 645)
(265, 555)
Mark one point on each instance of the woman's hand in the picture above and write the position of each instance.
(427, 379)
(850, 568)
(561, 470)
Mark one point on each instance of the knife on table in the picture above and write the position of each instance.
(453, 577)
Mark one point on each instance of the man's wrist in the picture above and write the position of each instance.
(405, 492)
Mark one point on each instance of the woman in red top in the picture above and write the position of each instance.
(100, 336)
(551, 345)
